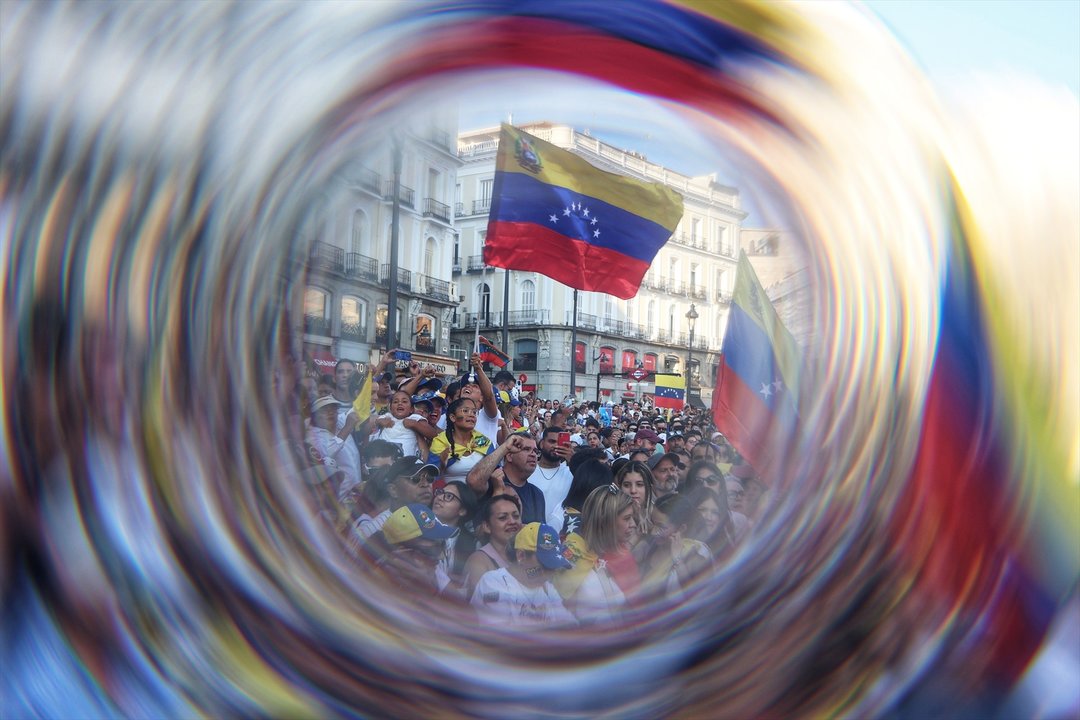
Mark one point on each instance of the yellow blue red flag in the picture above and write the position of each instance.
(555, 214)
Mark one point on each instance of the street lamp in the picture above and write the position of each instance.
(691, 316)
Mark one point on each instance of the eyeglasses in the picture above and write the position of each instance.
(447, 495)
(418, 478)
(735, 494)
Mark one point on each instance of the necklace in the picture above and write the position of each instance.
(545, 475)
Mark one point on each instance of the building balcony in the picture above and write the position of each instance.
(434, 288)
(723, 297)
(487, 320)
(476, 263)
(425, 343)
(457, 265)
(368, 179)
(404, 277)
(361, 266)
(355, 332)
(406, 195)
(434, 208)
(326, 256)
(481, 207)
(317, 325)
(698, 292)
(528, 317)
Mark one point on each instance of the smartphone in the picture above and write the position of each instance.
(564, 438)
(404, 355)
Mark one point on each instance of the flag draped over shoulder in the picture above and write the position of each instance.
(555, 214)
(755, 401)
(490, 352)
(362, 402)
(670, 392)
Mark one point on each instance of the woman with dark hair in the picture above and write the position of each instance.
(588, 476)
(498, 519)
(705, 473)
(672, 560)
(605, 573)
(714, 524)
(455, 505)
(462, 446)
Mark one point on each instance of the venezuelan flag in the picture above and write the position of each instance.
(670, 392)
(755, 402)
(555, 214)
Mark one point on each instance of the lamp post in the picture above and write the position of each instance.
(691, 316)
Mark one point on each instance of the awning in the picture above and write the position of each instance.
(695, 402)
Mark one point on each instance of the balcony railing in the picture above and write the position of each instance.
(406, 194)
(723, 297)
(529, 317)
(316, 325)
(459, 209)
(404, 277)
(457, 265)
(434, 288)
(368, 179)
(425, 343)
(654, 283)
(380, 338)
(434, 208)
(361, 266)
(487, 320)
(727, 249)
(354, 331)
(481, 206)
(698, 292)
(663, 336)
(326, 256)
(476, 263)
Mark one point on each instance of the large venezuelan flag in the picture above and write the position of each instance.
(755, 401)
(670, 391)
(555, 214)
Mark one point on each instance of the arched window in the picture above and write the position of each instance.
(483, 304)
(649, 361)
(353, 319)
(316, 311)
(524, 355)
(629, 360)
(429, 257)
(528, 296)
(650, 320)
(425, 333)
(359, 231)
(382, 331)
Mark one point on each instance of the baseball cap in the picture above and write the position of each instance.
(432, 385)
(503, 398)
(544, 541)
(323, 402)
(408, 466)
(655, 459)
(648, 434)
(415, 520)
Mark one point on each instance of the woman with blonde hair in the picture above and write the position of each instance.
(605, 573)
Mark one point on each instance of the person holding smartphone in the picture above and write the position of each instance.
(552, 475)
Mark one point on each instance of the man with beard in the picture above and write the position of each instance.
(552, 475)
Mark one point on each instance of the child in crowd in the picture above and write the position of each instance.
(403, 427)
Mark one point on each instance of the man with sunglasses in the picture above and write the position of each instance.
(407, 481)
(409, 546)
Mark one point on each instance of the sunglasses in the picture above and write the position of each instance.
(419, 478)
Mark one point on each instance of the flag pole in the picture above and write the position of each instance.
(573, 351)
(476, 337)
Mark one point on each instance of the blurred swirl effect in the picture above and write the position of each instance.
(159, 559)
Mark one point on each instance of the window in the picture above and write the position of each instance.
(651, 318)
(382, 331)
(629, 360)
(316, 312)
(524, 355)
(693, 276)
(671, 321)
(425, 333)
(579, 357)
(353, 319)
(433, 183)
(650, 362)
(483, 296)
(429, 257)
(485, 190)
(722, 241)
(457, 250)
(359, 223)
(695, 229)
(607, 359)
(528, 295)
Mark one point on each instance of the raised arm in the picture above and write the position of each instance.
(479, 478)
(486, 389)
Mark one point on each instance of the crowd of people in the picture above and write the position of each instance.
(531, 511)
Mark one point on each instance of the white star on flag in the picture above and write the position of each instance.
(593, 221)
(766, 390)
(586, 212)
(566, 212)
(554, 218)
(596, 233)
(777, 385)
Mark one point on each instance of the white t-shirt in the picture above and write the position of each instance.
(499, 599)
(337, 454)
(488, 427)
(398, 434)
(598, 598)
(554, 483)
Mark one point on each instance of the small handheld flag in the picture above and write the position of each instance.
(670, 391)
(490, 352)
